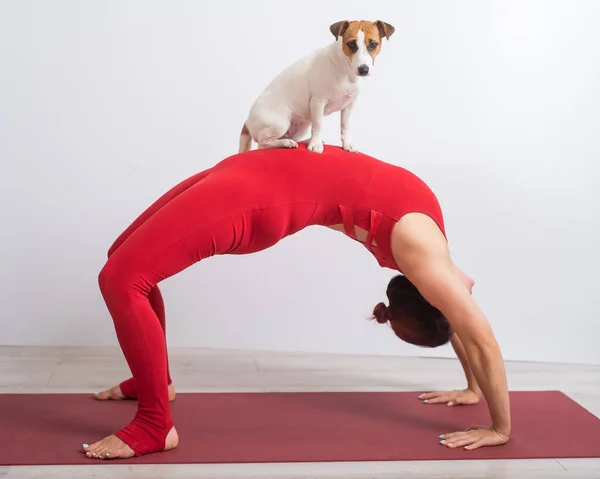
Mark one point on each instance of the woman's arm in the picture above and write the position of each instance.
(422, 253)
(457, 344)
(461, 353)
(469, 396)
(472, 394)
(439, 286)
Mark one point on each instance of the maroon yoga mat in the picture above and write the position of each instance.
(294, 427)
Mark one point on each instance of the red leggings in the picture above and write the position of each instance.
(135, 303)
(242, 205)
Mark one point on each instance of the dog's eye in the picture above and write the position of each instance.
(352, 45)
(373, 45)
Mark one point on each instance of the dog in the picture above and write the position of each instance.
(317, 85)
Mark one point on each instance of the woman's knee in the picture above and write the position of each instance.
(114, 278)
(123, 279)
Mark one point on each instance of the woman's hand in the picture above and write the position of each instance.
(452, 398)
(474, 437)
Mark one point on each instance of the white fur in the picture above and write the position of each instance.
(361, 57)
(298, 99)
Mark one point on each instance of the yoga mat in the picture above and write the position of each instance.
(41, 429)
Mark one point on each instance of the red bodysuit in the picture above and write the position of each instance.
(244, 204)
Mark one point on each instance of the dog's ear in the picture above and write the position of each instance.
(339, 28)
(385, 29)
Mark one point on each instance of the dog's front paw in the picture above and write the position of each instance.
(315, 145)
(348, 145)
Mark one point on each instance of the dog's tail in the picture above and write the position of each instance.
(245, 140)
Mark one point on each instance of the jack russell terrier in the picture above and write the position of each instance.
(319, 84)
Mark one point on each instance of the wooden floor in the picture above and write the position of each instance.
(34, 369)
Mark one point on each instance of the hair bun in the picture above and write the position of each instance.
(381, 313)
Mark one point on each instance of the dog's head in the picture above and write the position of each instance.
(361, 42)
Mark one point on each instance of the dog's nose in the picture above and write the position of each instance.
(363, 70)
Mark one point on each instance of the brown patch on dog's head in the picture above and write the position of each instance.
(372, 34)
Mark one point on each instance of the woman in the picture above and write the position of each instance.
(249, 202)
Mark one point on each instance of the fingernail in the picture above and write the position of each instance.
(95, 394)
(85, 446)
(441, 436)
(450, 403)
(107, 454)
(421, 396)
(443, 441)
(426, 401)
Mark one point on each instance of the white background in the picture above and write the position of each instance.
(106, 105)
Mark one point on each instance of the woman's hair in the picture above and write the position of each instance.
(411, 316)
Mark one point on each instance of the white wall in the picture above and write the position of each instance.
(105, 105)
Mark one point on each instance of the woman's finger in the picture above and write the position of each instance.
(454, 434)
(461, 440)
(431, 395)
(477, 444)
(452, 438)
(438, 399)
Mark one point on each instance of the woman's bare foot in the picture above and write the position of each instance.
(112, 447)
(115, 394)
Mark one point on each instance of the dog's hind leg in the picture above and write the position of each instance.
(299, 131)
(272, 136)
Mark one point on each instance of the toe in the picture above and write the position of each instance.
(102, 396)
(113, 393)
(116, 449)
(101, 452)
(106, 454)
(93, 449)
